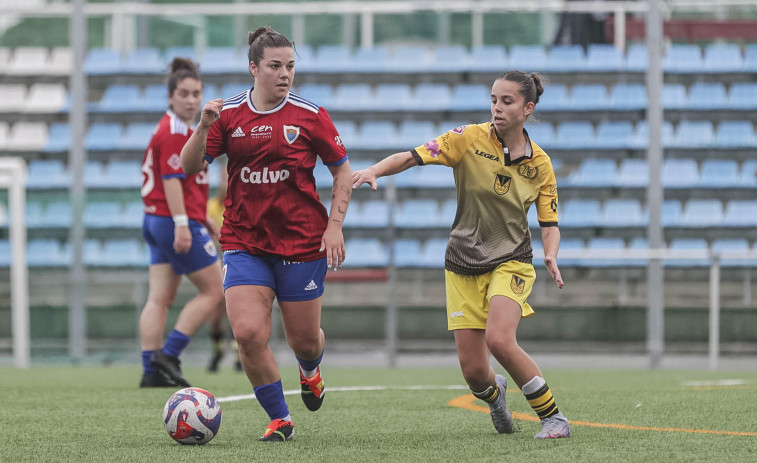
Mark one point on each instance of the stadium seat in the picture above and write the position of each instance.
(449, 210)
(124, 253)
(407, 253)
(554, 98)
(672, 213)
(28, 61)
(101, 61)
(120, 98)
(721, 58)
(352, 97)
(57, 215)
(94, 175)
(393, 97)
(333, 58)
(209, 92)
(700, 213)
(687, 244)
(594, 173)
(638, 244)
(435, 176)
(221, 60)
(679, 173)
(32, 215)
(683, 59)
(749, 173)
(102, 215)
(488, 58)
(365, 252)
(123, 174)
(417, 213)
(533, 217)
(323, 178)
(719, 173)
(674, 96)
(234, 89)
(144, 61)
(432, 254)
(750, 58)
(373, 59)
(61, 61)
(45, 98)
(740, 213)
(92, 252)
(604, 244)
(470, 97)
(743, 95)
(12, 98)
(59, 138)
(575, 135)
(570, 245)
(531, 57)
(622, 213)
(709, 95)
(694, 134)
(614, 135)
(378, 135)
(45, 253)
(566, 58)
(27, 136)
(640, 138)
(103, 137)
(409, 58)
(154, 98)
(320, 94)
(347, 132)
(432, 97)
(625, 97)
(578, 213)
(133, 215)
(373, 214)
(179, 52)
(637, 58)
(416, 133)
(735, 134)
(604, 58)
(47, 174)
(731, 246)
(451, 58)
(588, 97)
(541, 133)
(137, 136)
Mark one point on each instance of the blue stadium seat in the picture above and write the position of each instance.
(408, 179)
(732, 245)
(409, 58)
(700, 213)
(323, 177)
(672, 213)
(542, 133)
(101, 61)
(735, 134)
(638, 244)
(589, 97)
(491, 58)
(570, 244)
(47, 174)
(304, 56)
(137, 136)
(120, 98)
(679, 173)
(749, 173)
(641, 136)
(554, 98)
(393, 97)
(637, 58)
(233, 89)
(449, 210)
(347, 132)
(604, 58)
(566, 58)
(624, 97)
(179, 52)
(102, 215)
(533, 217)
(103, 137)
(750, 58)
(209, 92)
(133, 214)
(531, 57)
(59, 138)
(449, 58)
(604, 244)
(155, 98)
(123, 174)
(407, 253)
(594, 173)
(365, 252)
(633, 173)
(578, 213)
(740, 213)
(92, 252)
(373, 59)
(333, 58)
(221, 60)
(622, 213)
(707, 95)
(45, 253)
(417, 213)
(144, 61)
(378, 135)
(352, 97)
(432, 97)
(320, 94)
(694, 134)
(373, 214)
(432, 254)
(32, 216)
(683, 59)
(674, 96)
(471, 97)
(94, 175)
(435, 176)
(687, 244)
(575, 135)
(723, 58)
(416, 133)
(124, 253)
(743, 95)
(719, 173)
(57, 215)
(614, 135)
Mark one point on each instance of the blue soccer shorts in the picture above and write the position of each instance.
(158, 233)
(291, 281)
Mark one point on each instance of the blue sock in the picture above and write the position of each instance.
(271, 397)
(147, 367)
(310, 365)
(175, 343)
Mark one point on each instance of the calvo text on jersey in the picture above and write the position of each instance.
(247, 175)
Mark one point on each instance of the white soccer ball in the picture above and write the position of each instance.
(192, 416)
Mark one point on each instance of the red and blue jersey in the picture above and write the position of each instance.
(272, 206)
(163, 160)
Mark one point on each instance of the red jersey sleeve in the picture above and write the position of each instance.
(326, 141)
(216, 145)
(169, 155)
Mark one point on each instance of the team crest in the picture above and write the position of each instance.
(502, 184)
(528, 172)
(517, 284)
(291, 133)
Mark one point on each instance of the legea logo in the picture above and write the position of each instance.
(266, 176)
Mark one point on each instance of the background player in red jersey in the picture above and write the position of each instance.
(175, 229)
(277, 237)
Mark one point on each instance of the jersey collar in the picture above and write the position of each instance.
(529, 148)
(270, 111)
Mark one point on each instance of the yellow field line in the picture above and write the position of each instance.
(467, 402)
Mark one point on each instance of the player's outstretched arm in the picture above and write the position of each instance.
(550, 238)
(193, 153)
(391, 165)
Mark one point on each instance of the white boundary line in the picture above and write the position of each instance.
(234, 398)
(719, 382)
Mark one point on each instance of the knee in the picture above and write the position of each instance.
(475, 374)
(306, 346)
(499, 344)
(251, 338)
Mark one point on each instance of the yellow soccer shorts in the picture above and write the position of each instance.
(468, 296)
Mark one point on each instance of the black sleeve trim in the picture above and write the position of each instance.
(417, 157)
(547, 224)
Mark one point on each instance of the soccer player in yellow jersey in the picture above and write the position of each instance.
(499, 172)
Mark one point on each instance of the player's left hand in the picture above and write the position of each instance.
(554, 272)
(333, 243)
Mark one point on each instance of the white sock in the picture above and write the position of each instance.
(534, 385)
(309, 373)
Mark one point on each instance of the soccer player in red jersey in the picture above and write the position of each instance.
(179, 233)
(277, 237)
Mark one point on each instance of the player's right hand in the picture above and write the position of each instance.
(182, 239)
(364, 176)
(211, 112)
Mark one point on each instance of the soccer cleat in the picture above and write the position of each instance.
(312, 390)
(554, 427)
(170, 366)
(215, 361)
(156, 380)
(278, 430)
(501, 416)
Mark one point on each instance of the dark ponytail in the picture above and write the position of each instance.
(181, 68)
(262, 38)
(531, 86)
